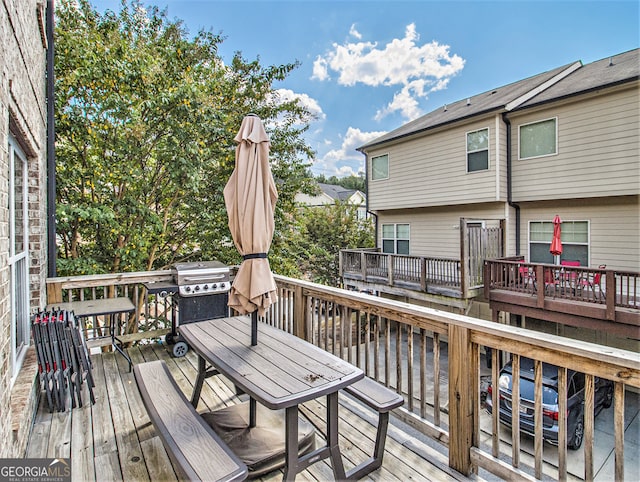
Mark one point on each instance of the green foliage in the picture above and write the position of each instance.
(324, 232)
(145, 121)
(349, 182)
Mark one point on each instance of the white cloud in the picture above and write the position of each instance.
(354, 33)
(310, 103)
(345, 160)
(320, 71)
(416, 69)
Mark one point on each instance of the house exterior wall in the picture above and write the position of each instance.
(614, 231)
(598, 149)
(23, 114)
(431, 170)
(435, 232)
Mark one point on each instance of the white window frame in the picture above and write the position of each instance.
(395, 238)
(555, 119)
(467, 151)
(18, 262)
(587, 244)
(376, 157)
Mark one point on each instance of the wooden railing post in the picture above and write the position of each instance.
(423, 274)
(54, 293)
(464, 258)
(363, 265)
(300, 314)
(461, 383)
(540, 285)
(390, 270)
(610, 295)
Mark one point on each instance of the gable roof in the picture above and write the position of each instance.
(615, 70)
(569, 79)
(336, 192)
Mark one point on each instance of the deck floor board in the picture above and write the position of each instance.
(114, 440)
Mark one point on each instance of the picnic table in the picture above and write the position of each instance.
(280, 372)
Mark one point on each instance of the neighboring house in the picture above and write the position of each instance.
(330, 194)
(563, 142)
(23, 240)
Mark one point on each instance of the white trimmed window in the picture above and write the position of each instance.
(538, 139)
(380, 167)
(18, 255)
(575, 241)
(395, 238)
(478, 150)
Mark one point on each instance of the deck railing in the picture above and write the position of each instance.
(415, 272)
(578, 283)
(434, 360)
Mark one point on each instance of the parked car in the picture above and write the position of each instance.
(575, 401)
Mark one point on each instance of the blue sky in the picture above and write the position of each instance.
(368, 67)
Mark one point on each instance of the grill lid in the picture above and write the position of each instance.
(201, 277)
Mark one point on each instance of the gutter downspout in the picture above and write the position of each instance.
(509, 182)
(51, 150)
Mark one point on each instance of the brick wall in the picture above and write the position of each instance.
(23, 114)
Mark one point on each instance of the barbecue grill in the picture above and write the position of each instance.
(198, 291)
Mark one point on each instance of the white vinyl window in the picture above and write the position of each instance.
(18, 255)
(395, 238)
(478, 150)
(574, 236)
(380, 167)
(538, 139)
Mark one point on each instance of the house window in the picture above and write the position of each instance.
(380, 167)
(538, 139)
(18, 255)
(395, 238)
(478, 150)
(575, 241)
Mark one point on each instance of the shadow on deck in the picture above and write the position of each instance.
(114, 440)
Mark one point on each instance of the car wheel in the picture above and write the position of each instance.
(578, 435)
(608, 398)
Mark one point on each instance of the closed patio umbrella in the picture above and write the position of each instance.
(556, 240)
(250, 197)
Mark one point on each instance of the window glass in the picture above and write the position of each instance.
(395, 238)
(380, 167)
(387, 230)
(403, 246)
(575, 241)
(388, 246)
(538, 139)
(478, 150)
(402, 231)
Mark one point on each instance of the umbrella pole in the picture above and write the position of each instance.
(254, 328)
(254, 342)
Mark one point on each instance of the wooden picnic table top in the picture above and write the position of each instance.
(281, 371)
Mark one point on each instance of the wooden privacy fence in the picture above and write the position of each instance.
(433, 359)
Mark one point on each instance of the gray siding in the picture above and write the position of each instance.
(432, 171)
(613, 225)
(598, 150)
(436, 231)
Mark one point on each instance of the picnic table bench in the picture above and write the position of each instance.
(383, 400)
(194, 448)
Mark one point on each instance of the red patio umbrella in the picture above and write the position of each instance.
(556, 240)
(250, 197)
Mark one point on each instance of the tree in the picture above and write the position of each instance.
(145, 121)
(348, 182)
(324, 232)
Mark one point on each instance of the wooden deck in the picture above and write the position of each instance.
(114, 440)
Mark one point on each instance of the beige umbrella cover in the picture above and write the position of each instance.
(250, 196)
